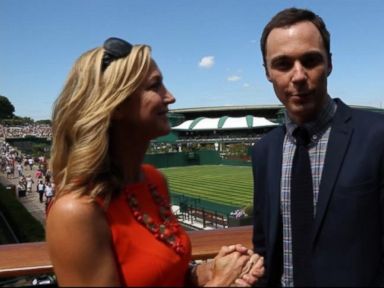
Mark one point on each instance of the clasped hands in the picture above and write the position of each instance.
(234, 265)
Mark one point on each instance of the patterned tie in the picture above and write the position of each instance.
(301, 209)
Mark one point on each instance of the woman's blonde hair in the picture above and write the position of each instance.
(81, 118)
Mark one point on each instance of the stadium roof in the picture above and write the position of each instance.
(225, 122)
(226, 108)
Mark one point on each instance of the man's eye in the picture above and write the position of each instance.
(312, 61)
(282, 65)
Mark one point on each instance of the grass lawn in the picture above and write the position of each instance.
(25, 226)
(230, 185)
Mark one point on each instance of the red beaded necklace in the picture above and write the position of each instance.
(167, 230)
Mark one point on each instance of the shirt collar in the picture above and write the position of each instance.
(318, 126)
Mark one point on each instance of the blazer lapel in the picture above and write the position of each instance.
(338, 142)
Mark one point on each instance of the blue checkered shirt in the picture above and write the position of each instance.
(319, 131)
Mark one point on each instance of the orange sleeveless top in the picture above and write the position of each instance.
(142, 259)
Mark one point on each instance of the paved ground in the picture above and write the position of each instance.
(31, 200)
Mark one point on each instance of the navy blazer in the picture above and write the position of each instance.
(348, 232)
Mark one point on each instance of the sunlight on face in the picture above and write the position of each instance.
(298, 68)
(145, 112)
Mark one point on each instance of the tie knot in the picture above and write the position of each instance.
(302, 136)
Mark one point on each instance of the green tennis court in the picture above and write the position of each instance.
(226, 185)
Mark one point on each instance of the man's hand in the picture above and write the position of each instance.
(252, 271)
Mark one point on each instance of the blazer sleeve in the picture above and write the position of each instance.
(258, 238)
(258, 231)
(380, 277)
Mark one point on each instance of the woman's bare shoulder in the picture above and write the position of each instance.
(79, 241)
(73, 207)
(73, 214)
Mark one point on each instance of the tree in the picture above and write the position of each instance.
(27, 120)
(46, 121)
(18, 121)
(6, 108)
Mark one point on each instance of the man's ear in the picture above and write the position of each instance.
(329, 64)
(267, 73)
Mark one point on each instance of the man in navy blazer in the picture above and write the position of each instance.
(346, 150)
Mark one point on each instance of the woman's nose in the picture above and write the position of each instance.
(169, 97)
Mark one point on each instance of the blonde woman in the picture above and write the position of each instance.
(110, 223)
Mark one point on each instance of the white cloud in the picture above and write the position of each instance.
(233, 78)
(207, 62)
(246, 85)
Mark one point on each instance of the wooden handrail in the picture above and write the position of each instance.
(206, 243)
(33, 259)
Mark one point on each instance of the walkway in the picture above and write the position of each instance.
(31, 200)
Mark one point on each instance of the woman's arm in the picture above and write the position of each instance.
(79, 243)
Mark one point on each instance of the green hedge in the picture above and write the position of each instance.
(25, 226)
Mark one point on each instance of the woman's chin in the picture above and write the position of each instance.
(163, 131)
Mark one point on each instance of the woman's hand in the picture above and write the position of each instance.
(234, 265)
(253, 270)
(227, 265)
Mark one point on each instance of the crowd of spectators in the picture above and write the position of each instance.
(31, 173)
(238, 213)
(37, 130)
(209, 137)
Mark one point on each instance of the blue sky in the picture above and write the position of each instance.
(208, 50)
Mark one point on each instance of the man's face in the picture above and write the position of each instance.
(298, 66)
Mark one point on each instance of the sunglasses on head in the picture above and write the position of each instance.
(114, 48)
